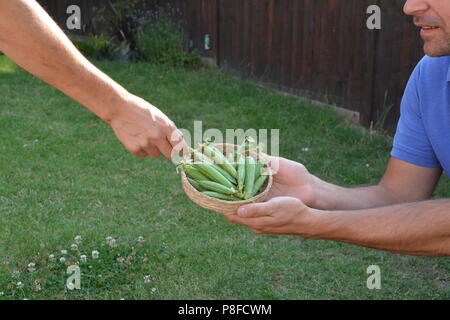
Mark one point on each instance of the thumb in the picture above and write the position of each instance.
(256, 210)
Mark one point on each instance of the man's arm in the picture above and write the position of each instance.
(390, 216)
(402, 182)
(33, 40)
(418, 228)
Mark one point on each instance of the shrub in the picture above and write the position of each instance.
(97, 47)
(163, 41)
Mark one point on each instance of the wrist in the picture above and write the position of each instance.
(323, 223)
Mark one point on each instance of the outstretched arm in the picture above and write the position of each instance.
(394, 215)
(33, 40)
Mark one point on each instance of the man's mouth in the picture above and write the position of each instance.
(429, 27)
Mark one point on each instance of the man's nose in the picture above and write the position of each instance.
(415, 7)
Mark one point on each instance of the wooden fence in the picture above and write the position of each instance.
(318, 48)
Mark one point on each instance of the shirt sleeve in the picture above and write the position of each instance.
(411, 143)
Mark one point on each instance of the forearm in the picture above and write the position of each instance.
(34, 41)
(332, 197)
(420, 228)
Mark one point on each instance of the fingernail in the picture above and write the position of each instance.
(242, 212)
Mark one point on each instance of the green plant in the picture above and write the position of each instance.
(98, 47)
(163, 42)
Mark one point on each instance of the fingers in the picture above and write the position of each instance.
(256, 210)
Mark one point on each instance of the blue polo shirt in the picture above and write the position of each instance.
(423, 131)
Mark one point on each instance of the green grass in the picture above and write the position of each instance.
(63, 173)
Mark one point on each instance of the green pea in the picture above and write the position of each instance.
(241, 173)
(212, 173)
(194, 173)
(249, 182)
(258, 184)
(220, 196)
(216, 187)
(218, 157)
(226, 174)
(196, 185)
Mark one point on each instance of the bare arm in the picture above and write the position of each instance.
(417, 228)
(390, 216)
(402, 182)
(33, 40)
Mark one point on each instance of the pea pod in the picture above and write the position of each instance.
(258, 184)
(220, 196)
(232, 158)
(196, 185)
(201, 157)
(194, 173)
(217, 187)
(226, 174)
(212, 173)
(249, 182)
(241, 173)
(217, 156)
(259, 166)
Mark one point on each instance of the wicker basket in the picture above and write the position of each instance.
(222, 206)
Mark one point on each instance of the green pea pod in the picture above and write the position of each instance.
(216, 187)
(232, 158)
(249, 182)
(211, 172)
(241, 173)
(226, 174)
(201, 157)
(220, 196)
(194, 173)
(218, 157)
(258, 184)
(196, 185)
(259, 166)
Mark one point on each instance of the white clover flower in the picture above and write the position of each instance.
(63, 251)
(113, 243)
(83, 258)
(31, 267)
(153, 290)
(19, 285)
(146, 279)
(51, 257)
(95, 254)
(74, 247)
(108, 239)
(62, 259)
(141, 239)
(36, 286)
(77, 239)
(367, 165)
(15, 274)
(2, 293)
(120, 259)
(305, 149)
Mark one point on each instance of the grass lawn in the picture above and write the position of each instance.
(63, 173)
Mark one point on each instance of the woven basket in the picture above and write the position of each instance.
(222, 206)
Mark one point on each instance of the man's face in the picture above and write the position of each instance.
(433, 17)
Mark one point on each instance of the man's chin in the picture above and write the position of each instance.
(433, 51)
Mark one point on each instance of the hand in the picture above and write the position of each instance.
(143, 129)
(282, 215)
(292, 179)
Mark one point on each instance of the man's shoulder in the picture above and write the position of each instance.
(434, 67)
